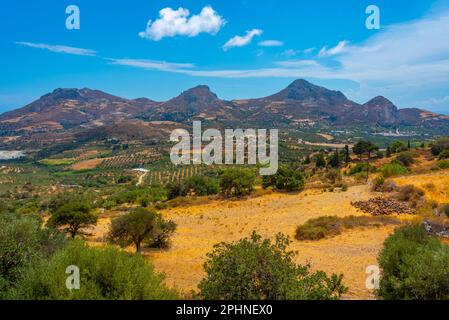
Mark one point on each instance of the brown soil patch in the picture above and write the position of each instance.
(86, 164)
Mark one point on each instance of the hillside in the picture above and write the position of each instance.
(60, 115)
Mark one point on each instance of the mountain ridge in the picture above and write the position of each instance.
(299, 103)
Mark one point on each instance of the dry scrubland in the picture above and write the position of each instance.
(202, 226)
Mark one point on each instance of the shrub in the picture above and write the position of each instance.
(174, 190)
(392, 169)
(333, 176)
(415, 266)
(257, 269)
(445, 209)
(320, 162)
(443, 164)
(285, 179)
(444, 155)
(379, 184)
(398, 146)
(22, 244)
(331, 226)
(439, 146)
(405, 158)
(138, 227)
(105, 274)
(237, 182)
(361, 168)
(141, 195)
(411, 194)
(74, 216)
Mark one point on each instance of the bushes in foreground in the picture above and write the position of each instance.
(105, 273)
(257, 269)
(22, 243)
(415, 266)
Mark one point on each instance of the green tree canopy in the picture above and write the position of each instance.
(364, 147)
(257, 269)
(74, 216)
(286, 179)
(237, 182)
(140, 226)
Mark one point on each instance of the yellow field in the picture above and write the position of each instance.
(435, 184)
(202, 226)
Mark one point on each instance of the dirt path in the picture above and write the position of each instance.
(141, 179)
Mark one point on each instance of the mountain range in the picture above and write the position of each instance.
(300, 104)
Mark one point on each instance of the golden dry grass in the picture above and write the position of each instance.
(202, 226)
(435, 184)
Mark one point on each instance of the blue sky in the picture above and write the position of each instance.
(240, 49)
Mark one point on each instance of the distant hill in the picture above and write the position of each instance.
(66, 111)
(68, 108)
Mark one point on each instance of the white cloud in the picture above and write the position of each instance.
(271, 43)
(60, 49)
(338, 49)
(408, 62)
(292, 53)
(177, 22)
(241, 41)
(298, 63)
(153, 64)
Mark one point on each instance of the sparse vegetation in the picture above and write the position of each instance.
(392, 169)
(405, 158)
(440, 146)
(331, 226)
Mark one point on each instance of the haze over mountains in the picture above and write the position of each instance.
(300, 104)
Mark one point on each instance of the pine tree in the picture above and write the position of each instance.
(347, 156)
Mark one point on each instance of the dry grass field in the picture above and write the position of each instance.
(435, 184)
(201, 226)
